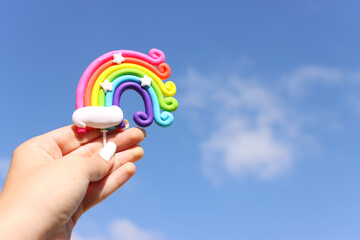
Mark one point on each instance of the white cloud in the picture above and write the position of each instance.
(76, 236)
(243, 150)
(4, 167)
(123, 229)
(300, 80)
(354, 101)
(248, 126)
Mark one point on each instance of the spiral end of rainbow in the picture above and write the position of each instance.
(102, 84)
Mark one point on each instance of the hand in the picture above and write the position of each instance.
(54, 178)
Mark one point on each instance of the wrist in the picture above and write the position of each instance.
(16, 223)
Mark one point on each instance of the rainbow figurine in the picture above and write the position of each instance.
(99, 91)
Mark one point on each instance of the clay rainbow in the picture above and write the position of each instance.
(107, 77)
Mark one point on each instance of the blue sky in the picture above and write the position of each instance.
(265, 140)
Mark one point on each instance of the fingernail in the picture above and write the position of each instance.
(108, 151)
(144, 131)
(127, 124)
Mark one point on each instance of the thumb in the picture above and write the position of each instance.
(95, 167)
(102, 162)
(108, 151)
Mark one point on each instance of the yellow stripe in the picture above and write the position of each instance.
(168, 89)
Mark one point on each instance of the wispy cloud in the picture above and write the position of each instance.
(124, 229)
(304, 79)
(4, 167)
(248, 126)
(243, 150)
(76, 236)
(252, 128)
(354, 102)
(299, 81)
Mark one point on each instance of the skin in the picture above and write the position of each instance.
(56, 177)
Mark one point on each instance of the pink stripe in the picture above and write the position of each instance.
(155, 57)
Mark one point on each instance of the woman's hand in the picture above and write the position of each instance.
(54, 178)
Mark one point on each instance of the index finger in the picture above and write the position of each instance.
(123, 140)
(68, 139)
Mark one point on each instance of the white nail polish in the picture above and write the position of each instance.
(108, 151)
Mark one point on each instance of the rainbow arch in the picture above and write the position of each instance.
(108, 76)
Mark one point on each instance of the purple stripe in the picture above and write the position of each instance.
(143, 119)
